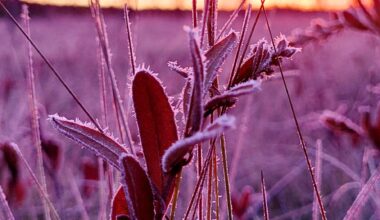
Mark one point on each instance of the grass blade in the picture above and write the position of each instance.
(318, 173)
(132, 55)
(302, 142)
(195, 116)
(232, 17)
(362, 197)
(35, 126)
(55, 72)
(103, 38)
(264, 193)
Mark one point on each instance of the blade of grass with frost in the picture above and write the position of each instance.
(318, 173)
(137, 188)
(157, 128)
(7, 213)
(85, 134)
(216, 56)
(228, 98)
(132, 55)
(361, 199)
(195, 116)
(35, 126)
(230, 20)
(244, 28)
(48, 63)
(194, 13)
(212, 21)
(204, 22)
(119, 204)
(298, 127)
(102, 34)
(174, 156)
(53, 211)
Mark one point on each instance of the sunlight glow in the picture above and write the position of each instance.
(223, 4)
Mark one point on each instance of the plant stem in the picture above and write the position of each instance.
(300, 136)
(226, 178)
(35, 126)
(176, 194)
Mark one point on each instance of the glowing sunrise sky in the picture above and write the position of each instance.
(223, 4)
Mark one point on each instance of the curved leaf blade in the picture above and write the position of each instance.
(174, 157)
(155, 119)
(216, 56)
(137, 188)
(88, 136)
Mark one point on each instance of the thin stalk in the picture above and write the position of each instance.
(226, 178)
(241, 39)
(199, 163)
(53, 211)
(264, 193)
(55, 72)
(103, 113)
(34, 111)
(176, 194)
(212, 22)
(194, 14)
(200, 181)
(300, 136)
(209, 191)
(209, 183)
(216, 183)
(230, 20)
(102, 33)
(232, 78)
(132, 55)
(4, 206)
(318, 173)
(204, 21)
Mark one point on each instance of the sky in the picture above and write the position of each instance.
(223, 4)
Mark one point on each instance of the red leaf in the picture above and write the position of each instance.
(119, 204)
(156, 123)
(137, 188)
(245, 72)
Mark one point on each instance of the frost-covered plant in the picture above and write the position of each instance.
(361, 19)
(165, 150)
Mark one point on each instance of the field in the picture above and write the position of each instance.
(339, 74)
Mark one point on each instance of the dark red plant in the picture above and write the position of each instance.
(138, 190)
(155, 119)
(241, 201)
(15, 188)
